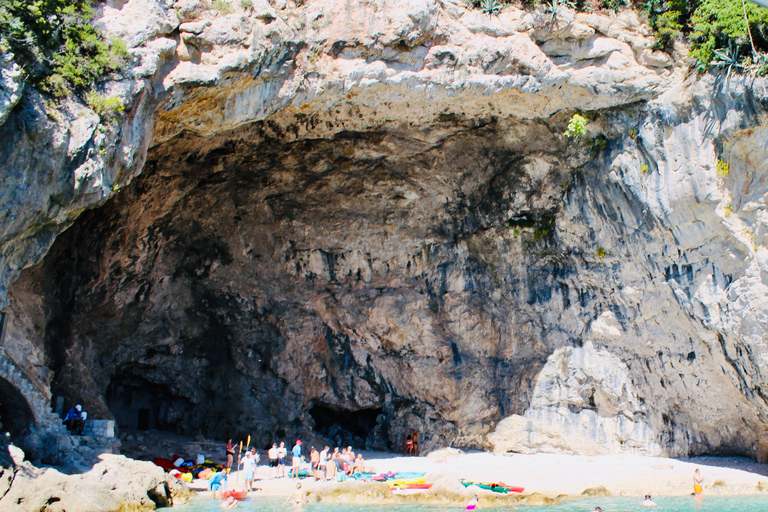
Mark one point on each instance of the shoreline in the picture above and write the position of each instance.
(553, 476)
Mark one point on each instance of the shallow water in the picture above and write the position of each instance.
(751, 503)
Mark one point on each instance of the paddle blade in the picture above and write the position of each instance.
(249, 441)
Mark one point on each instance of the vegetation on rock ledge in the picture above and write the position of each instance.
(731, 34)
(56, 46)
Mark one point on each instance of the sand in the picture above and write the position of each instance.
(549, 474)
(556, 475)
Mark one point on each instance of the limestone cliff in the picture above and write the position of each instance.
(357, 219)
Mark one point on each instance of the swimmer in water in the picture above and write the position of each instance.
(648, 502)
(299, 497)
(230, 502)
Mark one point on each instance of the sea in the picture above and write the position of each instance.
(743, 503)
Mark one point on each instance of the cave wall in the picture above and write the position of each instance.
(381, 219)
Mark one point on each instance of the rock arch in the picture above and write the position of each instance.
(22, 405)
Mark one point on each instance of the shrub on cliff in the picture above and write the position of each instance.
(55, 45)
(716, 23)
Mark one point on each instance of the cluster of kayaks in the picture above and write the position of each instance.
(499, 487)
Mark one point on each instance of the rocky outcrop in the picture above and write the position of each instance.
(115, 483)
(355, 230)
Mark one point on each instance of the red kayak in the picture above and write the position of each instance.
(511, 488)
(238, 495)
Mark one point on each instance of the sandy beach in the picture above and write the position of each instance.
(554, 475)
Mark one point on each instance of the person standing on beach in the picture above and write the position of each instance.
(314, 461)
(282, 453)
(296, 459)
(415, 439)
(697, 481)
(323, 463)
(272, 455)
(249, 465)
(230, 455)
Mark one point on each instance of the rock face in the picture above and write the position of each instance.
(115, 483)
(358, 219)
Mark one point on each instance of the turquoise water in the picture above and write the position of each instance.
(752, 503)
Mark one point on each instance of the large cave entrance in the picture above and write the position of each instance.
(138, 404)
(16, 416)
(365, 428)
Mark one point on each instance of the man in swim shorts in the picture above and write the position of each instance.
(282, 453)
(697, 481)
(272, 455)
(296, 459)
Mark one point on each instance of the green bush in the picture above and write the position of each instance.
(56, 46)
(718, 22)
(577, 126)
(106, 106)
(722, 168)
(222, 7)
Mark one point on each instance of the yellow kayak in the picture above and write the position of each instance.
(399, 482)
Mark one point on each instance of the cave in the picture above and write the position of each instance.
(137, 404)
(362, 429)
(16, 416)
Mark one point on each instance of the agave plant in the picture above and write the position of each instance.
(490, 7)
(554, 6)
(728, 59)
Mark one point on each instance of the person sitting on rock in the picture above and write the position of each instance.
(75, 420)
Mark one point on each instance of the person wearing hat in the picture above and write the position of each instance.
(296, 459)
(75, 420)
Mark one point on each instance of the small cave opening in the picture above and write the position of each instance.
(138, 404)
(364, 428)
(16, 416)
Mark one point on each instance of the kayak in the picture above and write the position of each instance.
(412, 486)
(495, 487)
(399, 482)
(238, 495)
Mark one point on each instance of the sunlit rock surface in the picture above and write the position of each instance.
(358, 219)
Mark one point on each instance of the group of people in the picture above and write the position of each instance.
(412, 444)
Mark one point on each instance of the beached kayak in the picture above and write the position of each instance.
(412, 486)
(399, 482)
(499, 487)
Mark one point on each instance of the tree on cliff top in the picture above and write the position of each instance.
(55, 45)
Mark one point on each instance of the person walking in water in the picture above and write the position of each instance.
(296, 459)
(697, 481)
